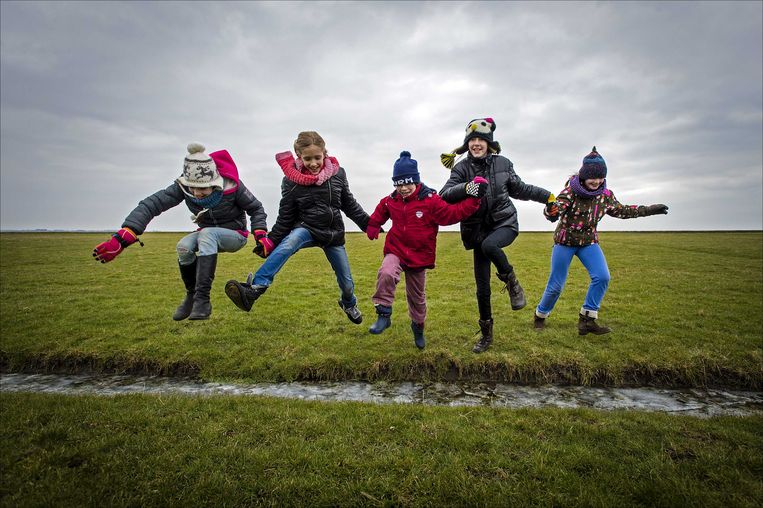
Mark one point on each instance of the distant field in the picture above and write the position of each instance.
(686, 310)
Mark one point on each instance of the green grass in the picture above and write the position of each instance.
(686, 310)
(139, 450)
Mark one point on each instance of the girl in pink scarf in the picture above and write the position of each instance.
(314, 193)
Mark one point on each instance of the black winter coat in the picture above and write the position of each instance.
(496, 210)
(228, 214)
(317, 209)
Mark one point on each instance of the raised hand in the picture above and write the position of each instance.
(660, 209)
(111, 248)
(477, 187)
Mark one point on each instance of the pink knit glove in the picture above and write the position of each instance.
(372, 232)
(108, 250)
(264, 245)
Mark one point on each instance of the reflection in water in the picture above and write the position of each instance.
(694, 402)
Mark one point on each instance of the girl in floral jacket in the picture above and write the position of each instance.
(580, 206)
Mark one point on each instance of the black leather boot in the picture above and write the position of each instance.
(188, 274)
(244, 294)
(486, 328)
(205, 274)
(516, 293)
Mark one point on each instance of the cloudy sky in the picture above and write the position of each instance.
(100, 99)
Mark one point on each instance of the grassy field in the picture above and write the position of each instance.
(142, 450)
(686, 310)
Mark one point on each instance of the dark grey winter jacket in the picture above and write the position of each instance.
(317, 209)
(228, 214)
(496, 210)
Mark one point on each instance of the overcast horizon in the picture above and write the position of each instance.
(98, 100)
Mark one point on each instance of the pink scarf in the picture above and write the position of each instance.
(296, 172)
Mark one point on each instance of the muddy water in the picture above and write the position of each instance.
(701, 403)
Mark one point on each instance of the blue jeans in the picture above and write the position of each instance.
(208, 241)
(593, 260)
(300, 238)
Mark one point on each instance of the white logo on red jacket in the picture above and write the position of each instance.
(419, 214)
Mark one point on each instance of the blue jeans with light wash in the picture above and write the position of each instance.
(593, 260)
(208, 241)
(300, 238)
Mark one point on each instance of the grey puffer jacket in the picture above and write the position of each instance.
(230, 213)
(317, 209)
(496, 210)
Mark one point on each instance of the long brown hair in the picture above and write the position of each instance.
(307, 138)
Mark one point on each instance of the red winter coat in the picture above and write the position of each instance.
(415, 222)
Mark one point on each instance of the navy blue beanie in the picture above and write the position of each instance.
(406, 170)
(593, 166)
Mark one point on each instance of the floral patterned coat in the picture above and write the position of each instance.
(579, 216)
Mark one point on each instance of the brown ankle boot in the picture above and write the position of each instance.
(516, 293)
(539, 323)
(486, 328)
(587, 324)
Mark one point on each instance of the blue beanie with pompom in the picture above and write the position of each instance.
(406, 170)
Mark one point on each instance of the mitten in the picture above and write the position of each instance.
(644, 211)
(372, 232)
(551, 211)
(477, 187)
(108, 250)
(263, 245)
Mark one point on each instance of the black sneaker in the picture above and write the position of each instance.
(243, 295)
(353, 313)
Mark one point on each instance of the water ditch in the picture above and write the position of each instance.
(695, 402)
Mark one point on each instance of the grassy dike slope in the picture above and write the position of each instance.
(686, 310)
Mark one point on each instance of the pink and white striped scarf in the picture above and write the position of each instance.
(295, 170)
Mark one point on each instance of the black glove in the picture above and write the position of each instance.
(644, 211)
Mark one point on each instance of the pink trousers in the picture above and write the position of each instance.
(415, 287)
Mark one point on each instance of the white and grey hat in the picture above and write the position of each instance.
(199, 170)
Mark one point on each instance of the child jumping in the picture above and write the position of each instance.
(495, 226)
(218, 200)
(410, 246)
(314, 192)
(581, 205)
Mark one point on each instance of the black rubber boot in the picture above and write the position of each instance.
(383, 319)
(205, 274)
(244, 294)
(418, 334)
(587, 324)
(486, 328)
(188, 274)
(516, 293)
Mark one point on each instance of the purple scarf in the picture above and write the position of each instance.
(580, 189)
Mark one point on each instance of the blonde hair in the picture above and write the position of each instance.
(307, 138)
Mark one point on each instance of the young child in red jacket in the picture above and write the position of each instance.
(416, 212)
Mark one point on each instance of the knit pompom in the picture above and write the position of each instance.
(195, 148)
(448, 159)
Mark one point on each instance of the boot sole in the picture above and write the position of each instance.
(377, 332)
(235, 294)
(586, 332)
(198, 318)
(520, 307)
